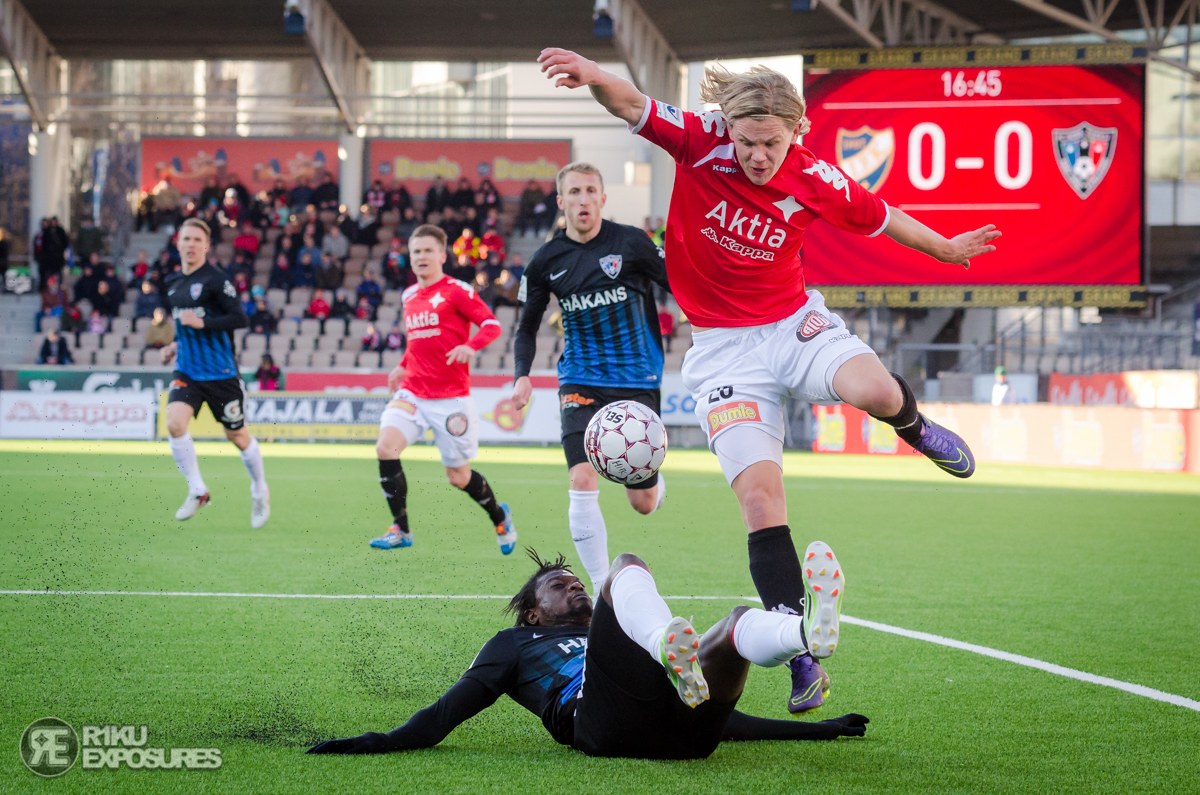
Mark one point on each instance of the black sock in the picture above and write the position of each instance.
(395, 489)
(478, 489)
(775, 569)
(906, 422)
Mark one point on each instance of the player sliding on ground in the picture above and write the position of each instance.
(601, 273)
(432, 389)
(745, 191)
(206, 309)
(628, 680)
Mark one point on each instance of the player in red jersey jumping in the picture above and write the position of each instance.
(745, 191)
(432, 389)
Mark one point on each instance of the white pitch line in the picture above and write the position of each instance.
(1029, 662)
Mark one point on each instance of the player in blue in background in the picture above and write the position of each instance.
(206, 309)
(601, 273)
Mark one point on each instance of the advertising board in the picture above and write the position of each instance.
(508, 164)
(77, 415)
(258, 162)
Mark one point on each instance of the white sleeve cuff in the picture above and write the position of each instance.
(887, 216)
(645, 117)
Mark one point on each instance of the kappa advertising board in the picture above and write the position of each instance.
(1052, 155)
(77, 415)
(508, 164)
(258, 162)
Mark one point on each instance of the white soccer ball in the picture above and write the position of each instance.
(626, 442)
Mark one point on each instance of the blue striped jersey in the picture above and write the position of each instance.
(205, 354)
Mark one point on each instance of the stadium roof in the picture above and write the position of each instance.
(514, 30)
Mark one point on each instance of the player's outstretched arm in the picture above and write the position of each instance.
(167, 352)
(619, 97)
(746, 728)
(425, 729)
(908, 231)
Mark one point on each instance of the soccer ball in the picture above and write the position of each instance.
(626, 442)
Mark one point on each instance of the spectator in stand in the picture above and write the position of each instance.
(533, 203)
(375, 196)
(247, 302)
(648, 227)
(263, 321)
(364, 311)
(371, 341)
(491, 221)
(489, 197)
(505, 288)
(300, 196)
(472, 221)
(549, 210)
(660, 232)
(437, 198)
(86, 284)
(256, 292)
(279, 191)
(311, 248)
(287, 247)
(666, 324)
(280, 213)
(342, 308)
(5, 245)
(315, 229)
(211, 215)
(491, 243)
(305, 273)
(395, 266)
(468, 245)
(54, 301)
(97, 323)
(463, 269)
(267, 374)
(211, 192)
(147, 301)
(398, 199)
(326, 196)
(50, 250)
(235, 183)
(463, 196)
(408, 223)
(395, 337)
(368, 227)
(330, 274)
(88, 239)
(161, 331)
(108, 302)
(167, 198)
(72, 319)
(231, 209)
(139, 269)
(318, 307)
(335, 244)
(451, 223)
(54, 350)
(1003, 393)
(248, 241)
(369, 288)
(114, 283)
(281, 274)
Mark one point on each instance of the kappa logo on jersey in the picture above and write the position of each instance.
(741, 223)
(611, 265)
(724, 169)
(866, 155)
(1084, 154)
(670, 113)
(812, 325)
(736, 247)
(731, 414)
(830, 176)
(457, 424)
(195, 291)
(575, 303)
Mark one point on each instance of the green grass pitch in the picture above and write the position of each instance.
(1098, 572)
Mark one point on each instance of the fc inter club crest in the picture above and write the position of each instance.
(195, 291)
(1084, 153)
(611, 265)
(866, 155)
(812, 325)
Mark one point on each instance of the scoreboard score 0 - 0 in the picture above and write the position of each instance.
(1052, 155)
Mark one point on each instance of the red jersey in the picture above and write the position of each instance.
(437, 318)
(733, 247)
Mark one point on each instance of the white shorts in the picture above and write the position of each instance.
(453, 421)
(739, 378)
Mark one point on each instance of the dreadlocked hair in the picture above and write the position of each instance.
(526, 598)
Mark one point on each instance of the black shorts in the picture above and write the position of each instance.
(628, 707)
(578, 404)
(226, 398)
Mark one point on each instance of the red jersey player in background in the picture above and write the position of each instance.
(745, 191)
(432, 389)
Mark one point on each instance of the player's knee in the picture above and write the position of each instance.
(176, 425)
(459, 477)
(720, 632)
(584, 478)
(620, 562)
(643, 500)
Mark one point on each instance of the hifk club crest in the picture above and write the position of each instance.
(1084, 153)
(611, 265)
(812, 325)
(195, 291)
(866, 155)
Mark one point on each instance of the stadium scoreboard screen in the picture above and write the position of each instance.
(1052, 155)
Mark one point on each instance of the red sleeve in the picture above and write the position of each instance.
(842, 202)
(472, 307)
(687, 137)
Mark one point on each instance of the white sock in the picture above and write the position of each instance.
(641, 612)
(589, 534)
(252, 458)
(183, 449)
(768, 639)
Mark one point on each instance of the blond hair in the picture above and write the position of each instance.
(196, 222)
(429, 230)
(578, 167)
(761, 93)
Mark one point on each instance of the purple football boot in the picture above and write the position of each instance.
(810, 684)
(945, 448)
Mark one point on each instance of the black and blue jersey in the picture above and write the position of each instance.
(206, 354)
(605, 291)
